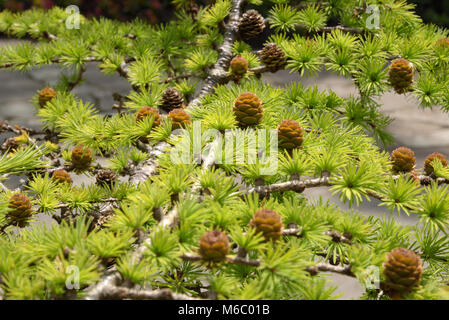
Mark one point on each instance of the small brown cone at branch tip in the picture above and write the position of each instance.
(239, 66)
(46, 95)
(251, 24)
(269, 223)
(62, 176)
(402, 270)
(214, 246)
(401, 73)
(290, 134)
(248, 109)
(179, 118)
(428, 168)
(171, 99)
(81, 157)
(273, 57)
(21, 210)
(402, 159)
(147, 111)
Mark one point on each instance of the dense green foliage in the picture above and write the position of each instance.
(145, 227)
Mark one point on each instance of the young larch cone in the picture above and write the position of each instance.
(147, 111)
(214, 246)
(248, 109)
(402, 270)
(402, 159)
(401, 73)
(412, 175)
(273, 57)
(239, 66)
(179, 118)
(81, 157)
(428, 168)
(172, 99)
(46, 95)
(21, 210)
(290, 134)
(269, 223)
(62, 176)
(105, 177)
(251, 24)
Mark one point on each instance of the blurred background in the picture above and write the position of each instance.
(435, 11)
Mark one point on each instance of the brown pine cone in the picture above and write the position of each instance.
(214, 246)
(251, 24)
(172, 99)
(81, 157)
(403, 160)
(402, 270)
(248, 109)
(62, 176)
(105, 177)
(273, 57)
(46, 95)
(269, 223)
(428, 168)
(147, 112)
(239, 66)
(290, 134)
(179, 118)
(21, 210)
(401, 73)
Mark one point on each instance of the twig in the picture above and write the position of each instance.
(300, 27)
(74, 83)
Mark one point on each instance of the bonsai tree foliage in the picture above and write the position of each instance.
(174, 211)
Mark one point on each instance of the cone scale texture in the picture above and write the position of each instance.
(46, 95)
